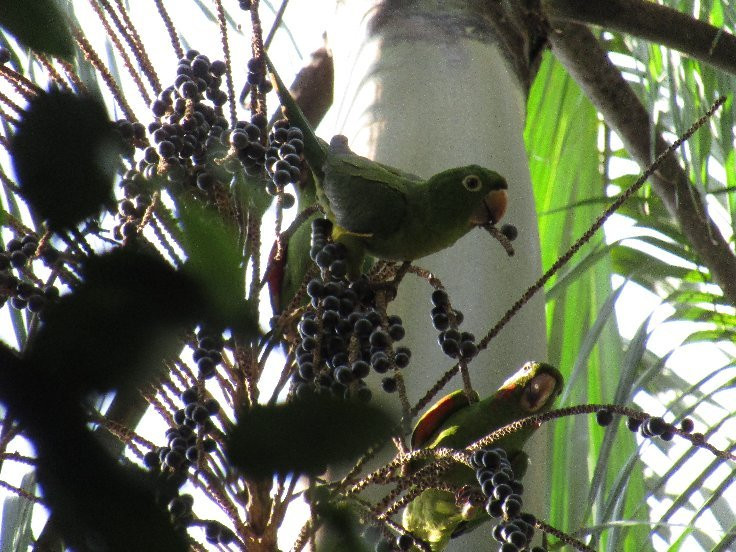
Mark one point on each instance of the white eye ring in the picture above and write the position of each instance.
(472, 183)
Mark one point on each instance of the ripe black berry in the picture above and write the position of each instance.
(389, 385)
(510, 231)
(604, 417)
(440, 298)
(404, 542)
(633, 424)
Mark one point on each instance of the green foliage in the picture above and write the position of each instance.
(106, 335)
(562, 135)
(39, 25)
(140, 311)
(214, 259)
(72, 179)
(305, 436)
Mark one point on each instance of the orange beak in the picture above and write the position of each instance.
(496, 203)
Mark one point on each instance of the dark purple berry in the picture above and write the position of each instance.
(440, 321)
(440, 298)
(212, 406)
(379, 338)
(174, 459)
(686, 425)
(633, 424)
(18, 259)
(468, 349)
(511, 507)
(397, 332)
(380, 362)
(604, 417)
(361, 369)
(389, 385)
(151, 460)
(404, 542)
(510, 231)
(656, 425)
(451, 348)
(402, 359)
(493, 507)
(492, 459)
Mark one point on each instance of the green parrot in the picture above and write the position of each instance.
(453, 422)
(385, 212)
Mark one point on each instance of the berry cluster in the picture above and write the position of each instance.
(651, 427)
(257, 75)
(187, 132)
(23, 294)
(136, 199)
(190, 131)
(182, 450)
(453, 343)
(189, 439)
(208, 354)
(131, 134)
(185, 443)
(245, 141)
(283, 158)
(657, 427)
(216, 533)
(194, 146)
(342, 335)
(180, 509)
(503, 500)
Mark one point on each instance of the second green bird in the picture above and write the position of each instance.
(453, 422)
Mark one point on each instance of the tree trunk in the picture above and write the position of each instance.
(424, 90)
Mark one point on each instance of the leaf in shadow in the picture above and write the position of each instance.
(39, 25)
(113, 330)
(215, 261)
(65, 152)
(341, 521)
(304, 436)
(98, 503)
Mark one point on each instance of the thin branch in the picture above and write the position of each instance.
(91, 56)
(127, 62)
(173, 37)
(130, 34)
(654, 22)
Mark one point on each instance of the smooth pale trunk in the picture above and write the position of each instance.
(425, 99)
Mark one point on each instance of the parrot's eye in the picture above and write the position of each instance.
(472, 183)
(537, 392)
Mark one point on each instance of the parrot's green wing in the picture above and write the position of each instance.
(364, 196)
(532, 389)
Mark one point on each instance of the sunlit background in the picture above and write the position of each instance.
(642, 317)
